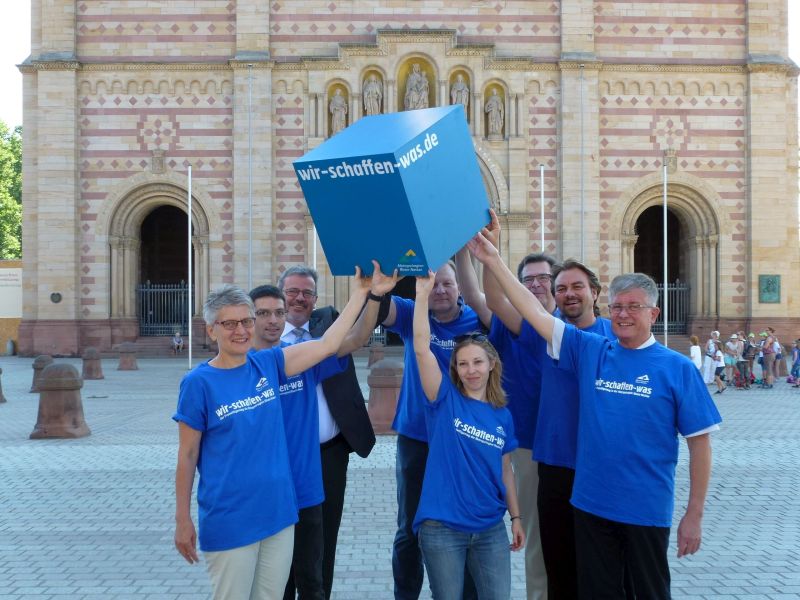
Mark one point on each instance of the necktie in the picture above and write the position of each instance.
(298, 332)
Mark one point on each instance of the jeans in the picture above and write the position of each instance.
(486, 555)
(406, 558)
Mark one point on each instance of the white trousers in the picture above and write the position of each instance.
(526, 475)
(255, 572)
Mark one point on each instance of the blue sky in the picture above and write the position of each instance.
(15, 47)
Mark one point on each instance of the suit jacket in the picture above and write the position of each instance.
(343, 394)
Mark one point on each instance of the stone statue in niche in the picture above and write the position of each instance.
(459, 92)
(495, 110)
(416, 89)
(338, 110)
(372, 91)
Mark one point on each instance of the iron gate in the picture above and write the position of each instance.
(162, 308)
(678, 296)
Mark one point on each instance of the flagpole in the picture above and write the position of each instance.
(190, 312)
(666, 272)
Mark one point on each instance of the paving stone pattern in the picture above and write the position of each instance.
(93, 518)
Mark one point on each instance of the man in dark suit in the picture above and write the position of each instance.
(344, 425)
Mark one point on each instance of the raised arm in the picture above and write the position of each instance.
(690, 529)
(299, 357)
(468, 284)
(496, 300)
(366, 323)
(523, 301)
(429, 372)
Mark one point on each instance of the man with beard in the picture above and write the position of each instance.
(555, 441)
(343, 423)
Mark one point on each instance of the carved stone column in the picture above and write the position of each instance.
(628, 245)
(512, 128)
(390, 98)
(713, 283)
(356, 107)
(116, 275)
(444, 93)
(130, 249)
(319, 119)
(699, 284)
(477, 115)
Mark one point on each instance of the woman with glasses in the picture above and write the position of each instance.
(231, 430)
(469, 483)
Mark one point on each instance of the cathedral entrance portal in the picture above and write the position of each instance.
(162, 294)
(648, 258)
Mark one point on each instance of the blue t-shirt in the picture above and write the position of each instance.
(556, 437)
(463, 486)
(409, 420)
(245, 492)
(301, 422)
(521, 380)
(633, 405)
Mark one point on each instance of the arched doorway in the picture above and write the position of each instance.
(693, 235)
(648, 258)
(147, 235)
(163, 290)
(648, 254)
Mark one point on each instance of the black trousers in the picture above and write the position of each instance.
(335, 455)
(557, 531)
(335, 460)
(609, 552)
(305, 576)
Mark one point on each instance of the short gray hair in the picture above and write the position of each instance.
(227, 295)
(302, 270)
(634, 281)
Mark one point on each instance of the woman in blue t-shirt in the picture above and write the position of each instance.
(231, 431)
(469, 483)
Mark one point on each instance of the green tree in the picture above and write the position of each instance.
(10, 192)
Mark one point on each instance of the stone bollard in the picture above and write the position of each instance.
(38, 366)
(92, 367)
(2, 398)
(375, 353)
(127, 357)
(384, 386)
(60, 406)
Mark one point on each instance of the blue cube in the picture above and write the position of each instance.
(402, 188)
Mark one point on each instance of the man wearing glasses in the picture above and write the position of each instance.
(344, 425)
(635, 396)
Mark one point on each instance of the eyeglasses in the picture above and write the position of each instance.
(541, 278)
(475, 335)
(631, 309)
(265, 312)
(232, 324)
(294, 292)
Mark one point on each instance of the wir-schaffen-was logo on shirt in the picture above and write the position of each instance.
(479, 435)
(262, 383)
(639, 388)
(223, 411)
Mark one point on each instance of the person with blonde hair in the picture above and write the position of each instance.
(469, 482)
(695, 353)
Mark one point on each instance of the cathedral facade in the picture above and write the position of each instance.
(574, 106)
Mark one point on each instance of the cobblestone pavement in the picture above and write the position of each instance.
(92, 518)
